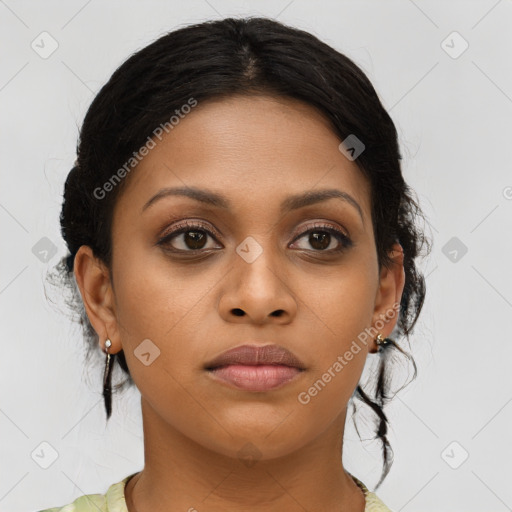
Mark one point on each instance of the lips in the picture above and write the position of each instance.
(253, 355)
(255, 368)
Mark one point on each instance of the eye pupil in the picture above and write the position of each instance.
(194, 239)
(320, 239)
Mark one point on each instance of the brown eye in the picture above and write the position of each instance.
(187, 238)
(194, 239)
(323, 239)
(319, 241)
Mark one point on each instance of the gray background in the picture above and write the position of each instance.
(452, 111)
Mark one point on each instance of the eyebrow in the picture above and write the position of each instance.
(289, 204)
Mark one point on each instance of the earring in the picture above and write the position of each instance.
(107, 379)
(383, 342)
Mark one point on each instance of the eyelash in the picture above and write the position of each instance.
(342, 238)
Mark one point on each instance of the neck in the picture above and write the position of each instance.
(180, 474)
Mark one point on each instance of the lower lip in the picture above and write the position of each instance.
(255, 377)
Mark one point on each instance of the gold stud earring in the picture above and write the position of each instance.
(382, 342)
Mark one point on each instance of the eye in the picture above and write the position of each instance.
(193, 236)
(323, 238)
(187, 237)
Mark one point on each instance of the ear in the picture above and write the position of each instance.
(94, 282)
(389, 293)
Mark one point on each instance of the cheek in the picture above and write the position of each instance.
(151, 294)
(343, 302)
(168, 305)
(339, 356)
(343, 308)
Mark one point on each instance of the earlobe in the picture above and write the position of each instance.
(93, 279)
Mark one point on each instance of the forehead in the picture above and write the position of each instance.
(255, 149)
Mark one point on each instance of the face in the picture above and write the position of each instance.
(250, 263)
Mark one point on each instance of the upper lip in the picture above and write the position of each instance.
(256, 355)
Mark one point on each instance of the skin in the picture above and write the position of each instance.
(256, 151)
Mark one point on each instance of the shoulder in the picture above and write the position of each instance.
(112, 501)
(373, 502)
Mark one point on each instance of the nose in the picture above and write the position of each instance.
(258, 292)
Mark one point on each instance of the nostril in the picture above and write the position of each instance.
(278, 312)
(238, 312)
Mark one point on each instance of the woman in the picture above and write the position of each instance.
(243, 241)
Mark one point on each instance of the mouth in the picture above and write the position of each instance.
(255, 368)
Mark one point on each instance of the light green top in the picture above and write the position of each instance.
(113, 500)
